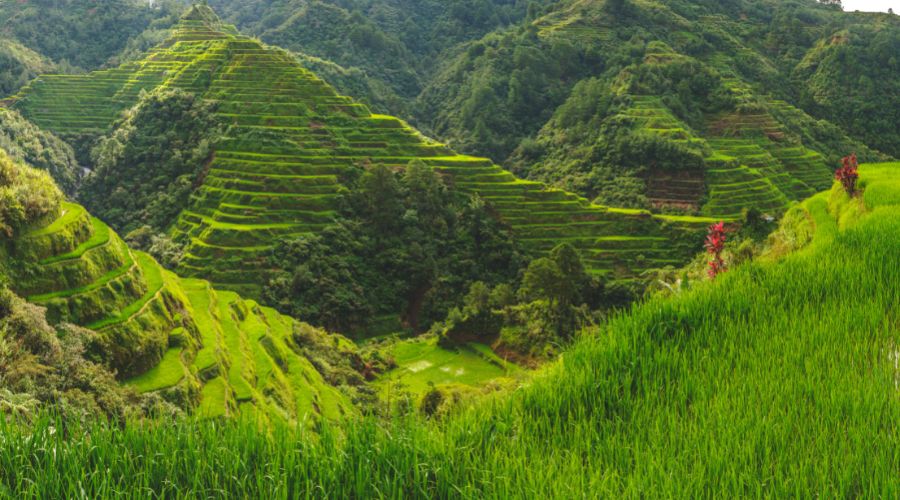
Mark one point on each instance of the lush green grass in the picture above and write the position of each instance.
(778, 379)
(421, 363)
(99, 237)
(153, 275)
(169, 372)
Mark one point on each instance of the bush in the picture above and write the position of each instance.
(26, 196)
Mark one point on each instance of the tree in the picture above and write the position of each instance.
(615, 6)
(542, 281)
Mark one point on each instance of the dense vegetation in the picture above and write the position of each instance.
(405, 244)
(562, 336)
(40, 364)
(145, 169)
(27, 143)
(390, 47)
(19, 65)
(288, 159)
(486, 76)
(146, 341)
(736, 387)
(769, 47)
(78, 34)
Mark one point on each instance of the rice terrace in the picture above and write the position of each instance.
(449, 249)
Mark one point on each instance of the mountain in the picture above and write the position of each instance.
(198, 348)
(291, 138)
(676, 104)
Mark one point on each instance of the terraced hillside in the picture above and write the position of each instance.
(750, 161)
(292, 137)
(180, 337)
(725, 149)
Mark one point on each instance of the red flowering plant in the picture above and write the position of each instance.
(715, 244)
(848, 174)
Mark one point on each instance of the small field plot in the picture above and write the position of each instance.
(421, 362)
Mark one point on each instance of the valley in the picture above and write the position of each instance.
(475, 248)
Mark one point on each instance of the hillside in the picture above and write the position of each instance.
(202, 350)
(779, 378)
(291, 139)
(382, 51)
(77, 34)
(495, 93)
(19, 65)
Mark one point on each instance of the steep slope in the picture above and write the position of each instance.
(19, 65)
(27, 143)
(392, 46)
(278, 171)
(192, 344)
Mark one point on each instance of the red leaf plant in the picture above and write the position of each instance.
(715, 244)
(848, 174)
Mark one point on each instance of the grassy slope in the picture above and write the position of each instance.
(162, 333)
(778, 379)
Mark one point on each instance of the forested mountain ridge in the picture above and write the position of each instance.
(772, 44)
(291, 145)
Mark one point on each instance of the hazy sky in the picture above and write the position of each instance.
(872, 5)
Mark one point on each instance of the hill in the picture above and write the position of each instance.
(386, 50)
(76, 34)
(779, 377)
(279, 170)
(198, 348)
(687, 105)
(759, 49)
(19, 65)
(509, 66)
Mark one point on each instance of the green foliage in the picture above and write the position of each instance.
(26, 196)
(146, 169)
(852, 81)
(710, 390)
(27, 143)
(18, 65)
(503, 88)
(81, 34)
(406, 244)
(290, 154)
(395, 44)
(43, 365)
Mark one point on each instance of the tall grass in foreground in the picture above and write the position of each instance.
(778, 379)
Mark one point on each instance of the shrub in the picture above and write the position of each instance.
(715, 244)
(26, 196)
(848, 174)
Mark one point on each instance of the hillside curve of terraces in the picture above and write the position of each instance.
(204, 350)
(278, 172)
